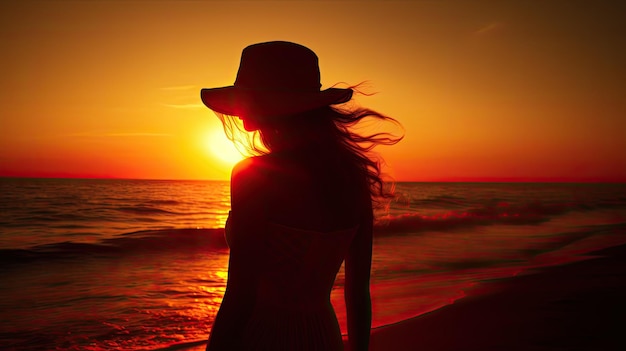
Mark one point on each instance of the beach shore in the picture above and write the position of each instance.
(575, 306)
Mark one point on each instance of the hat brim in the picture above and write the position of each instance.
(240, 102)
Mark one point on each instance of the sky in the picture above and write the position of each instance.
(485, 90)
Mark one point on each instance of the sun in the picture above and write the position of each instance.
(223, 149)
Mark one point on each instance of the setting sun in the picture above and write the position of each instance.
(223, 149)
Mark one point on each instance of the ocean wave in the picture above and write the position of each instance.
(498, 213)
(135, 242)
(164, 202)
(441, 201)
(145, 210)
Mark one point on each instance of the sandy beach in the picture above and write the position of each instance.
(578, 306)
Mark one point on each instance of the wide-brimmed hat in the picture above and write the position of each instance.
(275, 79)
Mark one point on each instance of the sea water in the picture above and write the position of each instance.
(142, 264)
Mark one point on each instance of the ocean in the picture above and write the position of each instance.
(141, 264)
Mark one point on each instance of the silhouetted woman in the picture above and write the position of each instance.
(297, 210)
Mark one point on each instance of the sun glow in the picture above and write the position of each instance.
(223, 149)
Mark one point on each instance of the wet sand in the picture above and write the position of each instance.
(577, 306)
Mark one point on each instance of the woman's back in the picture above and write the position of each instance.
(295, 272)
(290, 249)
(310, 190)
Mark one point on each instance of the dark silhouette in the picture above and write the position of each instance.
(298, 208)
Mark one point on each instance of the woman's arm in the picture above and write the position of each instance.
(246, 214)
(234, 310)
(357, 288)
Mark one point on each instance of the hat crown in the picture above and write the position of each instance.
(278, 66)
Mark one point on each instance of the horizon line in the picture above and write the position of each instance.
(588, 180)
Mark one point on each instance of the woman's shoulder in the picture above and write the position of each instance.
(270, 166)
(257, 171)
(254, 165)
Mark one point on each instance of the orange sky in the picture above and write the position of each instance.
(486, 90)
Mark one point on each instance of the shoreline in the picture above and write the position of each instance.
(574, 306)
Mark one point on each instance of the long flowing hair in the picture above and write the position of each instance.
(348, 131)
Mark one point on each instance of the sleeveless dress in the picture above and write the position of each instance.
(295, 274)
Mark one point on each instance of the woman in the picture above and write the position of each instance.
(298, 210)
